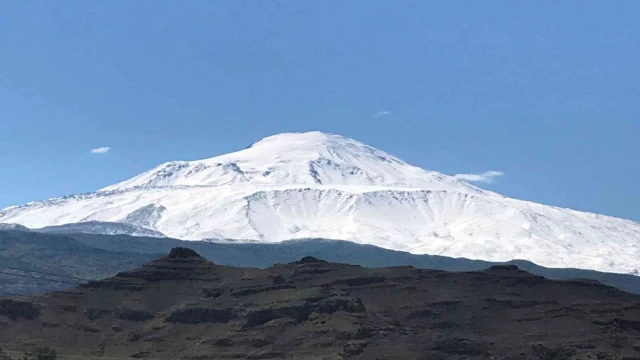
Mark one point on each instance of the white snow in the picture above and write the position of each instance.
(295, 186)
(312, 158)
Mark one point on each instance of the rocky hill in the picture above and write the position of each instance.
(184, 307)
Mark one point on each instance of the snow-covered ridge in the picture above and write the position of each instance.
(314, 185)
(312, 158)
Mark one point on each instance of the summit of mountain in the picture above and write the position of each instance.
(298, 159)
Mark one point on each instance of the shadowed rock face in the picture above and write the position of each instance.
(14, 309)
(4, 356)
(184, 307)
(181, 252)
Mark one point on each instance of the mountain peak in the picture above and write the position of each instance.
(308, 137)
(298, 159)
(307, 146)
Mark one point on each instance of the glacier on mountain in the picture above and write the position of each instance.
(317, 185)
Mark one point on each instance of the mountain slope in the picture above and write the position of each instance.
(315, 185)
(32, 262)
(89, 256)
(100, 227)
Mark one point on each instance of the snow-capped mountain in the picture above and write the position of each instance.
(307, 159)
(316, 185)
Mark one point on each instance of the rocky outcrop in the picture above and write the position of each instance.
(15, 309)
(200, 315)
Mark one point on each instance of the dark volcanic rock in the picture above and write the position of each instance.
(134, 315)
(340, 303)
(94, 313)
(258, 317)
(310, 260)
(359, 281)
(504, 267)
(200, 315)
(181, 252)
(459, 346)
(557, 353)
(184, 307)
(15, 309)
(261, 289)
(4, 356)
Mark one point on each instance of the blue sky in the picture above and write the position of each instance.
(545, 92)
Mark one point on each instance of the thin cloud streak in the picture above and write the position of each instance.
(101, 150)
(486, 177)
(382, 113)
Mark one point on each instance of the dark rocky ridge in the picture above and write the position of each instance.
(91, 256)
(182, 306)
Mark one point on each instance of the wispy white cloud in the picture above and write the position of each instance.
(381, 113)
(486, 177)
(101, 150)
